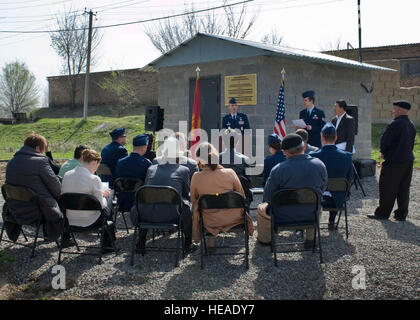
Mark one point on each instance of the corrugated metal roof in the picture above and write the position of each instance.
(283, 52)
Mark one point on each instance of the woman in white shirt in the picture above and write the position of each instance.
(82, 179)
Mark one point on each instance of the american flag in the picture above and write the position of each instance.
(280, 124)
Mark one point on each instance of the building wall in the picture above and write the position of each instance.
(144, 83)
(391, 86)
(329, 82)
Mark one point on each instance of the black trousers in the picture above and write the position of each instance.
(394, 183)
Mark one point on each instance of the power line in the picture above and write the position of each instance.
(129, 23)
(38, 5)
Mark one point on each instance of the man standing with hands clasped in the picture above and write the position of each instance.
(396, 148)
(313, 117)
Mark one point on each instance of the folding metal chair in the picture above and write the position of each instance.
(227, 200)
(342, 185)
(246, 185)
(129, 185)
(149, 194)
(24, 195)
(82, 201)
(298, 197)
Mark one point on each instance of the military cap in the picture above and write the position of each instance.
(308, 94)
(290, 141)
(232, 101)
(403, 104)
(118, 132)
(141, 140)
(329, 130)
(273, 139)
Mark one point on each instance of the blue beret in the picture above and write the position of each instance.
(118, 132)
(232, 101)
(273, 139)
(290, 141)
(403, 104)
(308, 94)
(329, 129)
(141, 140)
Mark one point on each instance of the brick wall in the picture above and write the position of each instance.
(144, 83)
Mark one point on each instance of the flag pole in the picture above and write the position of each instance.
(283, 72)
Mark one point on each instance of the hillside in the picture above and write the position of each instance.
(66, 133)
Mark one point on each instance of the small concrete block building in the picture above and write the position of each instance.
(330, 77)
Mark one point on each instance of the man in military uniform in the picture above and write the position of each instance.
(313, 117)
(276, 156)
(396, 148)
(114, 151)
(133, 166)
(235, 120)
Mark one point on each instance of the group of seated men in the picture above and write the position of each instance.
(288, 166)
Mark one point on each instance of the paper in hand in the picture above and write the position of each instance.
(299, 123)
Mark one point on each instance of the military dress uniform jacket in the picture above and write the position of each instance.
(345, 131)
(397, 142)
(110, 154)
(270, 162)
(133, 166)
(240, 121)
(316, 121)
(339, 165)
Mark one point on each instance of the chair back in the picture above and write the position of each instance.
(78, 201)
(338, 184)
(18, 193)
(227, 200)
(148, 194)
(127, 184)
(305, 198)
(103, 170)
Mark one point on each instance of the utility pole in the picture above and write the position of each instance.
(86, 100)
(360, 32)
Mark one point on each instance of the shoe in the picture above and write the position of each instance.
(399, 219)
(373, 216)
(190, 248)
(308, 244)
(299, 233)
(331, 226)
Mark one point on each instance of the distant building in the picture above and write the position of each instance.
(143, 81)
(219, 57)
(387, 87)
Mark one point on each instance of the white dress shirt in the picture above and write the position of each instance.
(80, 180)
(339, 119)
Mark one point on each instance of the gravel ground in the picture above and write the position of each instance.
(388, 251)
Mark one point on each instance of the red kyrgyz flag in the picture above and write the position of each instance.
(196, 114)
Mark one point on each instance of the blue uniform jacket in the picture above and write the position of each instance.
(397, 142)
(240, 121)
(132, 166)
(299, 171)
(339, 165)
(270, 162)
(316, 120)
(110, 154)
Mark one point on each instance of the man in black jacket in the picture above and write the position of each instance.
(396, 148)
(345, 127)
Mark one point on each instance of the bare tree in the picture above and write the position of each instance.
(273, 37)
(232, 21)
(71, 44)
(18, 90)
(333, 47)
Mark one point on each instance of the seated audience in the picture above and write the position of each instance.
(230, 158)
(304, 135)
(133, 166)
(54, 166)
(276, 155)
(179, 154)
(339, 165)
(298, 171)
(82, 179)
(72, 163)
(30, 168)
(114, 151)
(150, 154)
(211, 180)
(183, 144)
(168, 173)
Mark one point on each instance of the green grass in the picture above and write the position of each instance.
(378, 130)
(66, 133)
